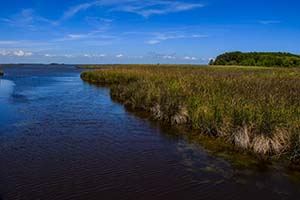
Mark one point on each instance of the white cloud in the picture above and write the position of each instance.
(94, 55)
(69, 56)
(22, 53)
(15, 53)
(49, 55)
(190, 58)
(174, 58)
(87, 55)
(119, 56)
(169, 57)
(99, 55)
(4, 53)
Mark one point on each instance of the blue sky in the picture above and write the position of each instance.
(137, 31)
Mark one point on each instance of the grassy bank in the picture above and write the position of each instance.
(252, 108)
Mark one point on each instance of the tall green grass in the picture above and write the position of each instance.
(257, 109)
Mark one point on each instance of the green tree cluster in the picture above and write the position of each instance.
(265, 59)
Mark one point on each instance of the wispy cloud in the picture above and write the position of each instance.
(154, 41)
(27, 19)
(36, 46)
(266, 22)
(85, 55)
(99, 22)
(145, 9)
(95, 34)
(30, 20)
(173, 57)
(8, 42)
(161, 56)
(158, 7)
(76, 36)
(169, 57)
(94, 55)
(160, 37)
(75, 9)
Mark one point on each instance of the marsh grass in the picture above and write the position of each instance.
(256, 109)
(106, 66)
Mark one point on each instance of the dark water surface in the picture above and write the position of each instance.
(61, 138)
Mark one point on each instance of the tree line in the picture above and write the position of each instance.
(265, 59)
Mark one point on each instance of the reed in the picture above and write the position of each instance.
(257, 109)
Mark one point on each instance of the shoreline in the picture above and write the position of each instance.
(125, 81)
(218, 147)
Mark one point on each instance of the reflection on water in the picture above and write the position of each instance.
(6, 88)
(61, 138)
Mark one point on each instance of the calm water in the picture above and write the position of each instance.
(61, 138)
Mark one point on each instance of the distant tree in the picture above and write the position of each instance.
(211, 62)
(266, 59)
